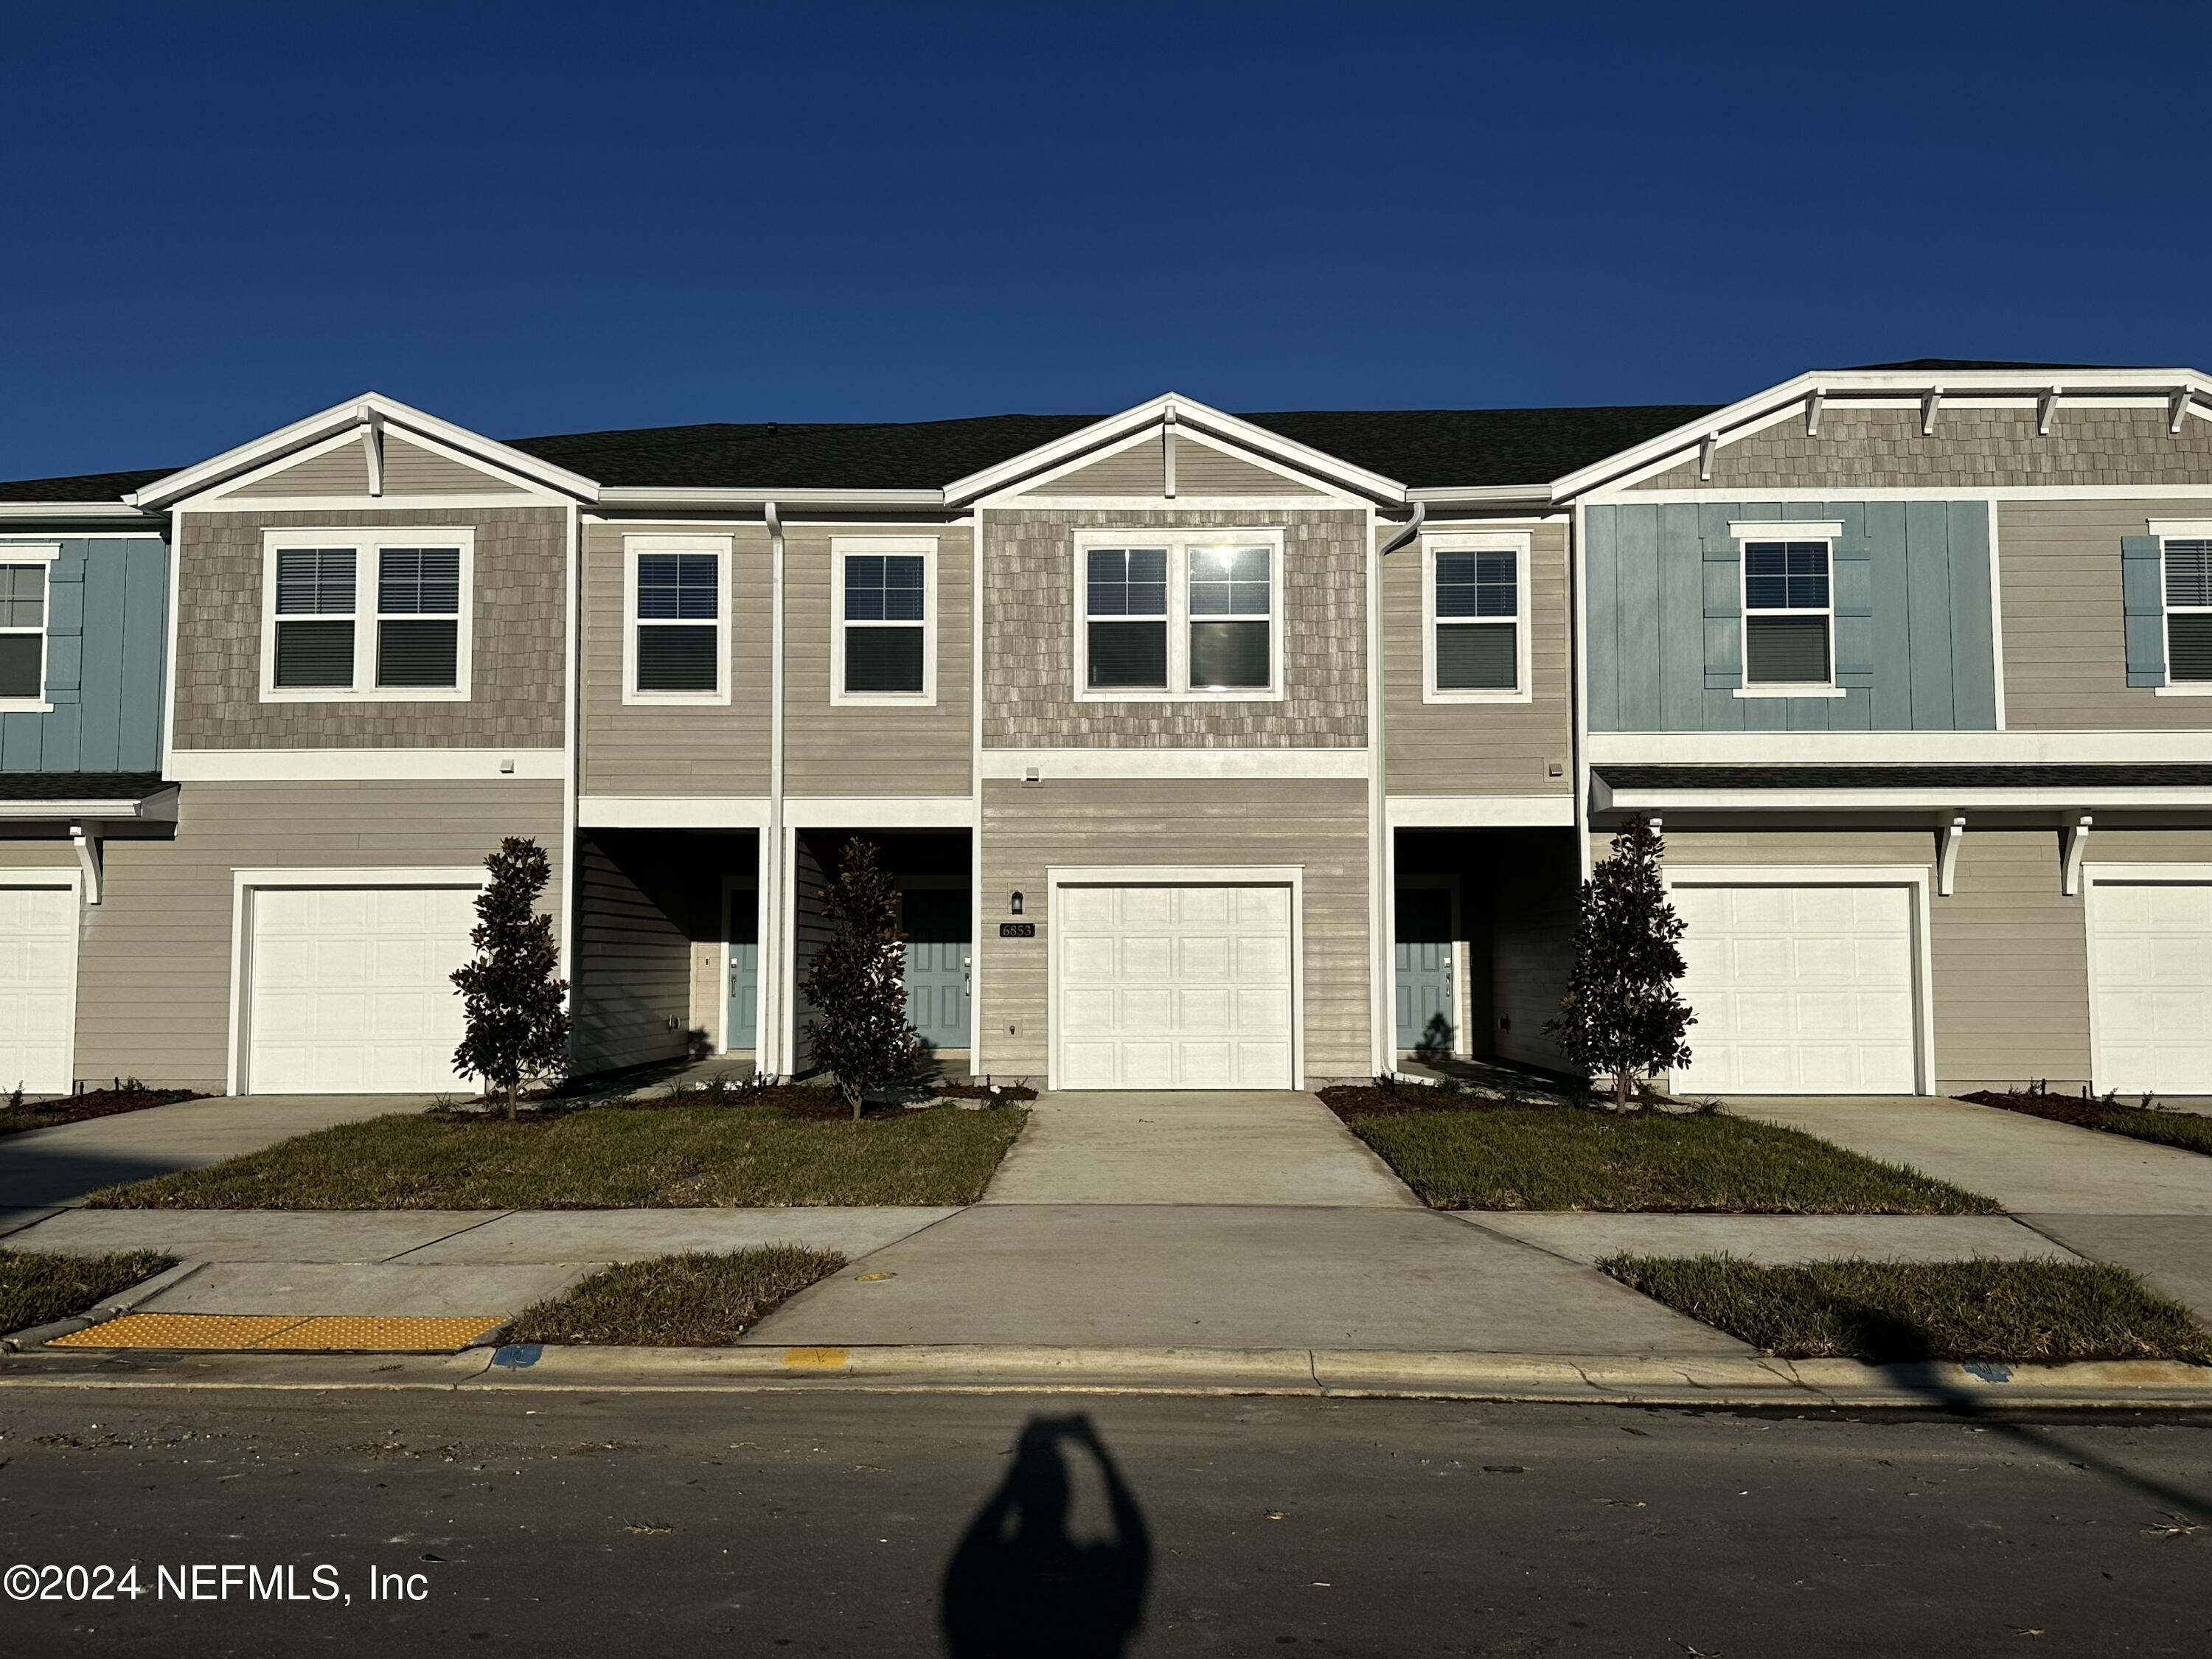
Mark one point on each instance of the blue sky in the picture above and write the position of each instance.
(552, 218)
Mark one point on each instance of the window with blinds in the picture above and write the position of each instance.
(418, 617)
(1787, 614)
(2188, 576)
(1478, 619)
(679, 622)
(315, 618)
(886, 623)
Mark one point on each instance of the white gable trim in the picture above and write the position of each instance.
(342, 420)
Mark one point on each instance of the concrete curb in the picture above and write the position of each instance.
(121, 1302)
(1749, 1381)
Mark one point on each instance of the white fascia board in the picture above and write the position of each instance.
(360, 765)
(1479, 812)
(1896, 748)
(1608, 798)
(646, 496)
(879, 813)
(352, 412)
(672, 812)
(159, 807)
(1015, 765)
(1837, 385)
(1199, 418)
(115, 509)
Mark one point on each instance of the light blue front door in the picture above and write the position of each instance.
(744, 985)
(937, 949)
(1425, 970)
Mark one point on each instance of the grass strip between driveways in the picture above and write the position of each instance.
(1578, 1157)
(701, 1300)
(2190, 1131)
(37, 1287)
(1892, 1312)
(703, 1156)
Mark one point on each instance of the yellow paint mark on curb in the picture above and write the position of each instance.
(287, 1332)
(816, 1360)
(870, 1279)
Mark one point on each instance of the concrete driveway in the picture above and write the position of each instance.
(2145, 1208)
(44, 1169)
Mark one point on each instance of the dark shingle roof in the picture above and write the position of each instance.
(1988, 775)
(1421, 447)
(80, 786)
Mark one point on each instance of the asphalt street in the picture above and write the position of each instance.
(844, 1522)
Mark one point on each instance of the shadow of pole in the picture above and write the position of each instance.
(1019, 1583)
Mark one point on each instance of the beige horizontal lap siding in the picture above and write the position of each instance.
(154, 994)
(1478, 748)
(1030, 701)
(1140, 469)
(1031, 828)
(631, 1000)
(343, 471)
(1969, 449)
(874, 749)
(517, 677)
(1202, 469)
(412, 470)
(675, 748)
(2065, 643)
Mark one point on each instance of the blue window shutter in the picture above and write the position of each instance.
(1724, 569)
(2143, 601)
(1850, 564)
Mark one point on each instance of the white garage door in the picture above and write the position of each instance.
(1798, 990)
(2150, 953)
(350, 989)
(37, 987)
(1173, 988)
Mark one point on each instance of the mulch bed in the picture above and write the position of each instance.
(2189, 1131)
(1385, 1098)
(96, 1103)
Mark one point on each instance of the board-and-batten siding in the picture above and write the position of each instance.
(1322, 826)
(1970, 449)
(154, 965)
(517, 683)
(1913, 639)
(631, 1000)
(2065, 640)
(1478, 748)
(675, 748)
(874, 749)
(106, 643)
(1029, 638)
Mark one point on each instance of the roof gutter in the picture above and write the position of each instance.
(1407, 531)
(637, 496)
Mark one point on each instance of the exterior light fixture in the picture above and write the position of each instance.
(1016, 908)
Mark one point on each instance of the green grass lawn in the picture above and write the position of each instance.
(37, 1287)
(701, 1300)
(1886, 1312)
(606, 1157)
(1577, 1157)
(2190, 1131)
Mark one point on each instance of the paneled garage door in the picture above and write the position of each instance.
(350, 989)
(1798, 990)
(1173, 987)
(2150, 962)
(38, 988)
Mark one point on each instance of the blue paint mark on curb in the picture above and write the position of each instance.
(518, 1355)
(1989, 1371)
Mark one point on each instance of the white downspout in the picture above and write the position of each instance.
(1382, 864)
(770, 1057)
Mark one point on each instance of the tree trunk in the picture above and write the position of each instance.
(1620, 1088)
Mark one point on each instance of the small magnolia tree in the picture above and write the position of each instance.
(1621, 1015)
(857, 983)
(517, 1023)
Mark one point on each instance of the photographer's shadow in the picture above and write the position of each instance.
(1020, 1585)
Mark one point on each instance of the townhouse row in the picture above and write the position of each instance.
(1209, 751)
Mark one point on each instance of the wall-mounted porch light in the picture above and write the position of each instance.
(1015, 908)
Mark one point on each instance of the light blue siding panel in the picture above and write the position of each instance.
(19, 742)
(102, 676)
(1893, 661)
(1853, 711)
(1764, 714)
(1809, 714)
(146, 644)
(1973, 657)
(65, 674)
(1601, 557)
(1723, 710)
(2143, 601)
(1681, 619)
(1637, 598)
(1724, 653)
(1928, 589)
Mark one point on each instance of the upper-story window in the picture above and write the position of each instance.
(2187, 567)
(1474, 647)
(23, 626)
(378, 614)
(675, 629)
(885, 603)
(1188, 614)
(1789, 608)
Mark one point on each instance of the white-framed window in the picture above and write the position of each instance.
(676, 618)
(25, 570)
(1474, 617)
(1170, 616)
(1789, 608)
(382, 614)
(2185, 570)
(884, 596)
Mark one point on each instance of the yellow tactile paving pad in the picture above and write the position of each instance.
(290, 1332)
